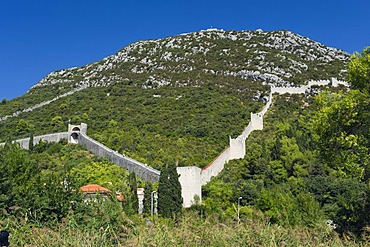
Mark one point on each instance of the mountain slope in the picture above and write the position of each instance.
(173, 98)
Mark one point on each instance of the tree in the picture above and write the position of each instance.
(132, 203)
(30, 143)
(23, 127)
(343, 123)
(359, 70)
(148, 189)
(57, 121)
(343, 128)
(169, 193)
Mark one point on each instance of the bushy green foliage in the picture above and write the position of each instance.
(286, 173)
(147, 202)
(342, 124)
(189, 230)
(147, 128)
(42, 185)
(359, 70)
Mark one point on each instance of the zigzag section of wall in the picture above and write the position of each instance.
(236, 150)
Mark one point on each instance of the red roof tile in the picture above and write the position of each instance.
(94, 188)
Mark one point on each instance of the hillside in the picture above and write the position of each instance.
(177, 100)
(172, 98)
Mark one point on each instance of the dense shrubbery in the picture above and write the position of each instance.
(43, 185)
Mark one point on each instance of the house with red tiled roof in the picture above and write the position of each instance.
(92, 190)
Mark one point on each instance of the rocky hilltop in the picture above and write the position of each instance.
(279, 57)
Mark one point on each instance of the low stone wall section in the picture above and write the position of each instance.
(55, 137)
(44, 103)
(144, 171)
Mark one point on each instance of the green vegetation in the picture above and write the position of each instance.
(133, 121)
(189, 230)
(309, 165)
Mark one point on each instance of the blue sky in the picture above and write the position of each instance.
(39, 36)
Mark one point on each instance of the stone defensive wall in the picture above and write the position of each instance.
(215, 167)
(237, 149)
(144, 171)
(302, 89)
(55, 137)
(190, 180)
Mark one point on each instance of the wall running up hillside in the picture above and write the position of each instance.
(236, 150)
(44, 103)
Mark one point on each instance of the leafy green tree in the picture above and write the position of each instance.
(24, 127)
(345, 201)
(283, 207)
(359, 70)
(56, 121)
(343, 128)
(30, 143)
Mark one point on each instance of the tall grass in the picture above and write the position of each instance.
(190, 230)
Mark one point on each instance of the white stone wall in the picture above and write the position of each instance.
(190, 180)
(55, 137)
(237, 148)
(257, 121)
(267, 106)
(290, 90)
(215, 167)
(17, 113)
(302, 89)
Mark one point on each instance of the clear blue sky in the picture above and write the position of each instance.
(40, 36)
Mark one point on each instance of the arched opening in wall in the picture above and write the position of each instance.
(74, 138)
(76, 129)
